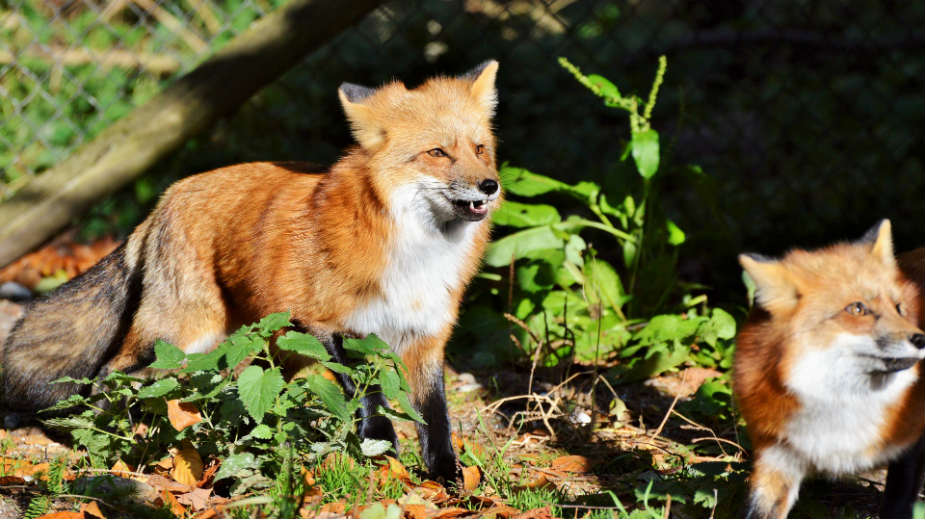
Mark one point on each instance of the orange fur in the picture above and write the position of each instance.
(829, 305)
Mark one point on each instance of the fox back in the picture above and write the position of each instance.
(828, 370)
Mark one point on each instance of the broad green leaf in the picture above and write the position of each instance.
(525, 183)
(374, 447)
(208, 361)
(273, 322)
(606, 282)
(645, 152)
(629, 253)
(239, 346)
(518, 214)
(721, 325)
(338, 367)
(520, 244)
(669, 327)
(168, 357)
(369, 345)
(607, 88)
(262, 431)
(236, 464)
(331, 395)
(304, 344)
(258, 390)
(676, 237)
(405, 405)
(158, 388)
(389, 382)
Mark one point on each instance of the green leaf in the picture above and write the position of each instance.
(520, 244)
(606, 283)
(235, 465)
(676, 237)
(262, 431)
(337, 367)
(390, 383)
(258, 390)
(518, 214)
(207, 361)
(159, 388)
(304, 344)
(721, 325)
(645, 152)
(331, 395)
(239, 346)
(168, 357)
(607, 88)
(374, 447)
(273, 322)
(369, 345)
(525, 183)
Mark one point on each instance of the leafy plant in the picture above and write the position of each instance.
(260, 426)
(598, 282)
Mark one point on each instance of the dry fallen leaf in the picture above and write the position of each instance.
(171, 501)
(92, 509)
(159, 482)
(572, 463)
(182, 415)
(187, 465)
(540, 512)
(198, 499)
(432, 491)
(121, 469)
(208, 513)
(451, 512)
(419, 511)
(393, 469)
(471, 478)
(499, 511)
(64, 514)
(337, 508)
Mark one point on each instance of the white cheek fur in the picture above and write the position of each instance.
(838, 426)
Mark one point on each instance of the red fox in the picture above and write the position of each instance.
(828, 370)
(385, 242)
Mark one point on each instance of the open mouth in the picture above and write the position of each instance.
(895, 364)
(470, 209)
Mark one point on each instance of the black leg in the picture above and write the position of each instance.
(435, 434)
(903, 482)
(372, 425)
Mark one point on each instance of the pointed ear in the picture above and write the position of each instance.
(483, 84)
(880, 238)
(365, 129)
(775, 290)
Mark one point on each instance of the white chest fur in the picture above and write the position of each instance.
(842, 416)
(424, 268)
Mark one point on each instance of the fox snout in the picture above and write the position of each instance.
(472, 201)
(917, 340)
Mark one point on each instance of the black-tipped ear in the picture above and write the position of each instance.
(759, 257)
(873, 233)
(356, 93)
(477, 70)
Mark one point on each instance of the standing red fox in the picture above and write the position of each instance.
(384, 243)
(829, 373)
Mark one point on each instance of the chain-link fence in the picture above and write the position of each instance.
(806, 119)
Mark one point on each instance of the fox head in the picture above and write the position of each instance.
(848, 306)
(433, 142)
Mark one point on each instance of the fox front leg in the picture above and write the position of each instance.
(774, 482)
(903, 482)
(424, 361)
(372, 424)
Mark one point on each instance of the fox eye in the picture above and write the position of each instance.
(857, 309)
(479, 149)
(437, 152)
(901, 309)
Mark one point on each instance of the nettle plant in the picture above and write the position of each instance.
(255, 421)
(574, 304)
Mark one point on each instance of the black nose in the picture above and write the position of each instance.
(918, 340)
(488, 186)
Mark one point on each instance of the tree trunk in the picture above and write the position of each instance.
(269, 47)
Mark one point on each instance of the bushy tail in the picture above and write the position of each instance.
(71, 332)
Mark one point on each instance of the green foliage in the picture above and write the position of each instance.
(602, 281)
(261, 426)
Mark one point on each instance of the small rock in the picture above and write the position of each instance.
(14, 291)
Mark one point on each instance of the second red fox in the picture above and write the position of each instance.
(829, 373)
(384, 243)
